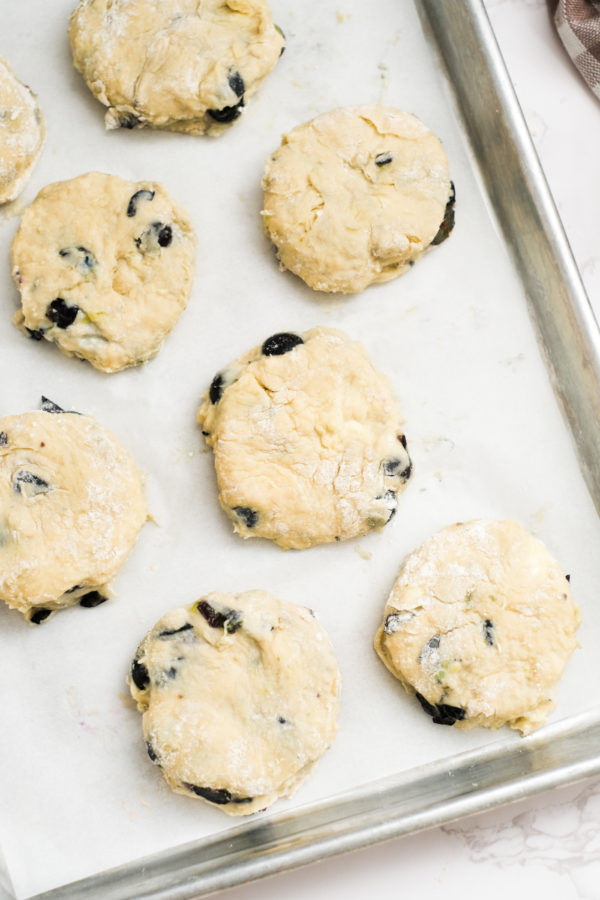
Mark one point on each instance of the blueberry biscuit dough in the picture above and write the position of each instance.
(307, 439)
(182, 65)
(239, 695)
(22, 133)
(104, 267)
(355, 196)
(71, 506)
(480, 625)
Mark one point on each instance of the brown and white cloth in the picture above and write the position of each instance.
(578, 25)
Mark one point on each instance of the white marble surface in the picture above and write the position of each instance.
(548, 845)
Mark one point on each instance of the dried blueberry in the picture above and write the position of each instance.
(169, 632)
(281, 343)
(61, 313)
(248, 516)
(402, 439)
(441, 713)
(39, 615)
(216, 388)
(94, 598)
(76, 587)
(3, 439)
(220, 796)
(35, 334)
(35, 484)
(568, 577)
(488, 632)
(136, 198)
(282, 720)
(81, 259)
(229, 619)
(139, 675)
(383, 159)
(448, 220)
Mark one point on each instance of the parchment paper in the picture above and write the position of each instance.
(78, 792)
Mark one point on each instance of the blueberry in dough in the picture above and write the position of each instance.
(248, 516)
(92, 599)
(383, 159)
(488, 632)
(449, 218)
(441, 713)
(79, 258)
(212, 700)
(229, 113)
(216, 388)
(228, 619)
(281, 343)
(37, 616)
(139, 675)
(61, 313)
(3, 439)
(135, 199)
(219, 796)
(29, 483)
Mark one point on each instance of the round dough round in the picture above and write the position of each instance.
(307, 439)
(71, 506)
(104, 267)
(22, 133)
(480, 625)
(355, 196)
(240, 698)
(183, 65)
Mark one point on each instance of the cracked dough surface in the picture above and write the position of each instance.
(22, 133)
(182, 65)
(355, 196)
(239, 694)
(104, 267)
(71, 506)
(307, 440)
(480, 623)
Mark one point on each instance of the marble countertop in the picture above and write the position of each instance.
(548, 845)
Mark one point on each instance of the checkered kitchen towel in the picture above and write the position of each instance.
(578, 25)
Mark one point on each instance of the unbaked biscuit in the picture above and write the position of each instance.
(307, 439)
(22, 133)
(71, 506)
(104, 267)
(480, 625)
(239, 694)
(355, 196)
(182, 65)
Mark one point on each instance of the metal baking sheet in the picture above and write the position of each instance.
(494, 353)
